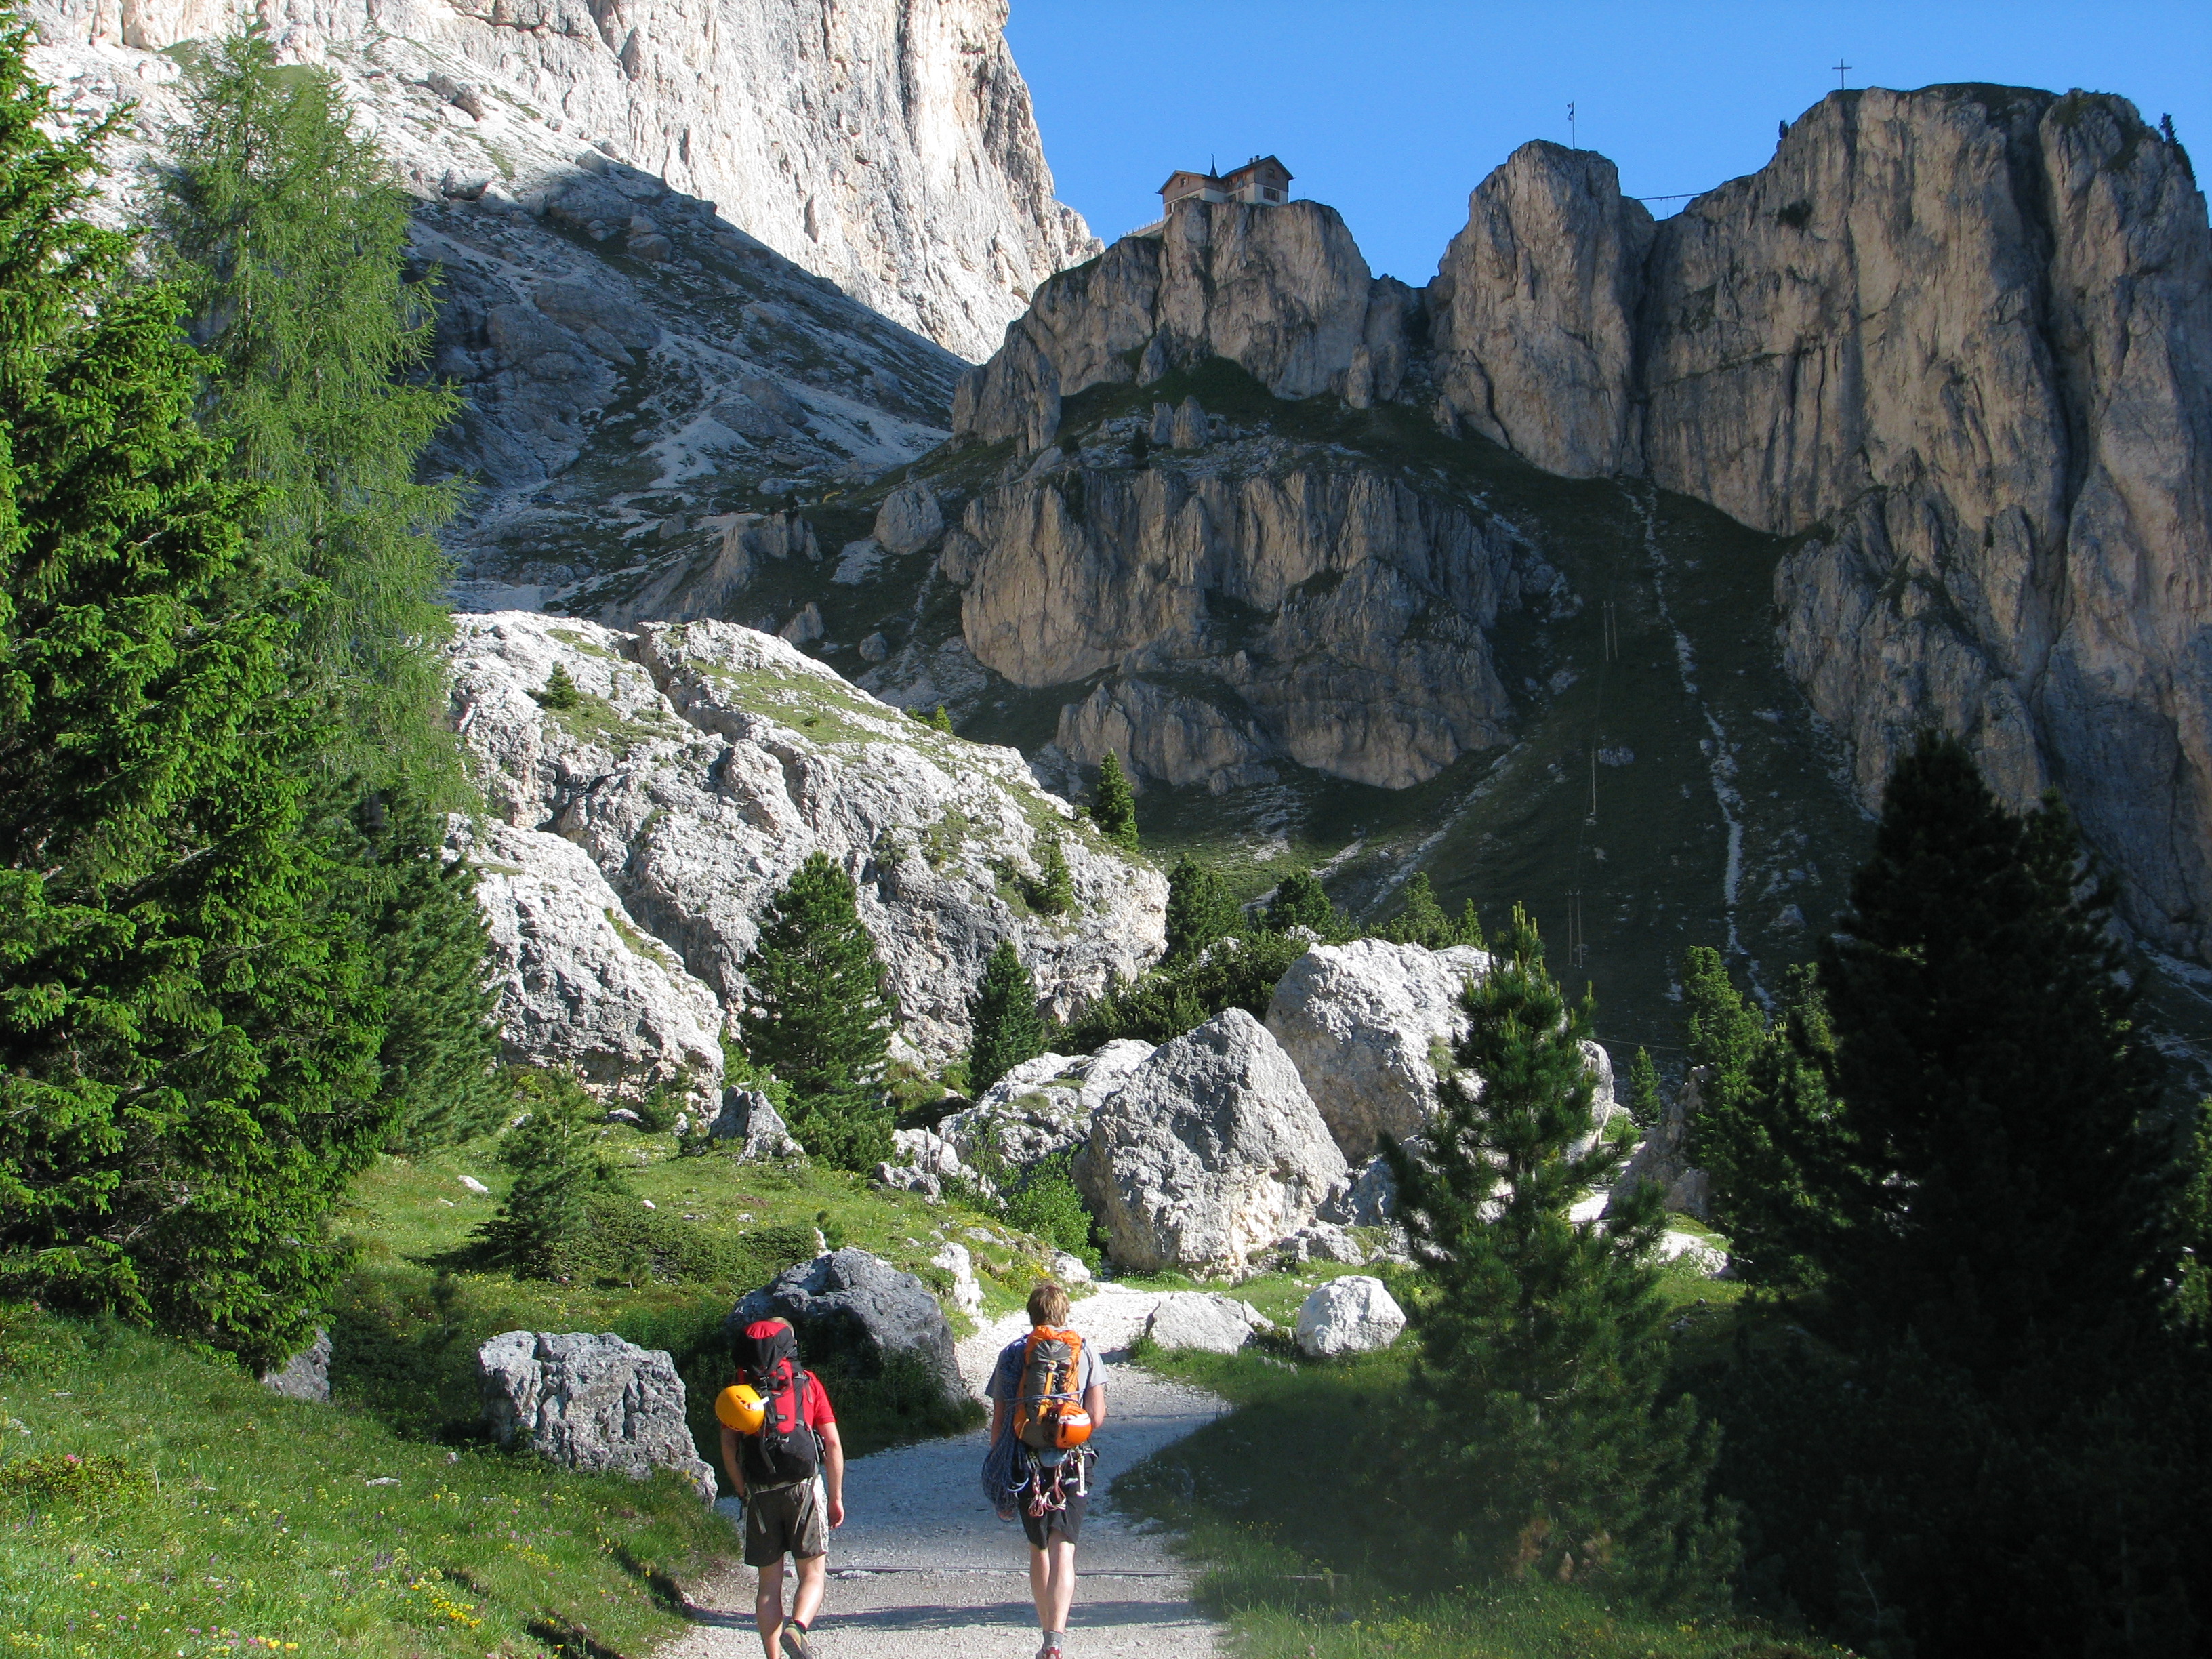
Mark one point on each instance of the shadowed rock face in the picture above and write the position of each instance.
(1959, 340)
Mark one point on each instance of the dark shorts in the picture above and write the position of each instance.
(785, 1518)
(1065, 1523)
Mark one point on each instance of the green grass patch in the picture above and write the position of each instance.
(203, 1515)
(1250, 1499)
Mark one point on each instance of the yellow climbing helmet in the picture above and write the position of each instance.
(741, 1408)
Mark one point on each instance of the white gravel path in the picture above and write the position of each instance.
(923, 1567)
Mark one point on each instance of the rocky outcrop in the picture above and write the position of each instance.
(1661, 1157)
(749, 1117)
(1282, 291)
(580, 984)
(1337, 616)
(1366, 1025)
(1210, 1153)
(305, 1376)
(1353, 1314)
(706, 761)
(888, 146)
(590, 1402)
(862, 1310)
(1043, 1106)
(1960, 341)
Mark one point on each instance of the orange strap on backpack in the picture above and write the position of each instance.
(1048, 1412)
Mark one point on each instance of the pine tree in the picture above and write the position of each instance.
(2000, 1176)
(1052, 894)
(939, 719)
(559, 692)
(1766, 1121)
(817, 1014)
(1542, 1361)
(1644, 1103)
(285, 230)
(1423, 920)
(1301, 900)
(1199, 909)
(1114, 804)
(558, 1172)
(190, 1025)
(1007, 1027)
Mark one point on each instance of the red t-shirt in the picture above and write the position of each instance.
(819, 1414)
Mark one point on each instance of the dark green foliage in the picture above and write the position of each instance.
(559, 692)
(1536, 1397)
(1199, 909)
(2000, 1175)
(1301, 900)
(938, 719)
(285, 232)
(1053, 893)
(2193, 1233)
(191, 1026)
(1765, 1126)
(559, 1178)
(1423, 921)
(1114, 804)
(1238, 973)
(1044, 1202)
(1004, 1018)
(818, 1015)
(1645, 1104)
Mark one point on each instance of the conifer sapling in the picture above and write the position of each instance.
(1007, 1028)
(1114, 804)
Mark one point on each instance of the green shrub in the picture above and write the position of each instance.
(84, 1482)
(560, 1180)
(1044, 1202)
(560, 692)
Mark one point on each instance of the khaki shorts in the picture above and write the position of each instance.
(792, 1518)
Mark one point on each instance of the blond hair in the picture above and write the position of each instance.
(1047, 1303)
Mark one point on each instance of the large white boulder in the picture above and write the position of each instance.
(578, 983)
(592, 1402)
(1201, 1319)
(1365, 1023)
(1044, 1106)
(1208, 1153)
(706, 761)
(1353, 1314)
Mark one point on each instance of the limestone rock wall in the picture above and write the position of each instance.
(888, 145)
(1959, 340)
(703, 764)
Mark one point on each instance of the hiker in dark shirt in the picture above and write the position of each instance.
(1049, 1492)
(791, 1474)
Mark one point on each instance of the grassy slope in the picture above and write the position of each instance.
(264, 1532)
(1248, 1494)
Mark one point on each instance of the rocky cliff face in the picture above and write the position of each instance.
(888, 146)
(1961, 342)
(1956, 344)
(703, 764)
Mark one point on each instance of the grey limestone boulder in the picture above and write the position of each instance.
(861, 1309)
(305, 1376)
(1200, 1320)
(750, 1117)
(909, 520)
(1209, 1152)
(592, 1402)
(1365, 1023)
(1044, 1106)
(1658, 1159)
(1353, 1314)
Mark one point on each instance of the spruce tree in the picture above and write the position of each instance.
(2001, 1177)
(558, 1172)
(189, 1024)
(1052, 894)
(1199, 909)
(559, 692)
(1645, 1104)
(817, 1014)
(1003, 1015)
(1423, 920)
(285, 230)
(1543, 1442)
(1766, 1124)
(1301, 900)
(1114, 804)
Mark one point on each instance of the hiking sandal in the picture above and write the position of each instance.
(793, 1638)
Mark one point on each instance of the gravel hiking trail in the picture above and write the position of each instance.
(923, 1567)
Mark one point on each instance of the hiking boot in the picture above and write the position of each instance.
(1050, 1649)
(795, 1642)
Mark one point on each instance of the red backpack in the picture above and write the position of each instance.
(787, 1450)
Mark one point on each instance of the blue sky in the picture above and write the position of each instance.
(1392, 112)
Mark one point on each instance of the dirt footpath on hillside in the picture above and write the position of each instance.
(923, 1568)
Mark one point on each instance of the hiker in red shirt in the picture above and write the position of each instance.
(779, 1468)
